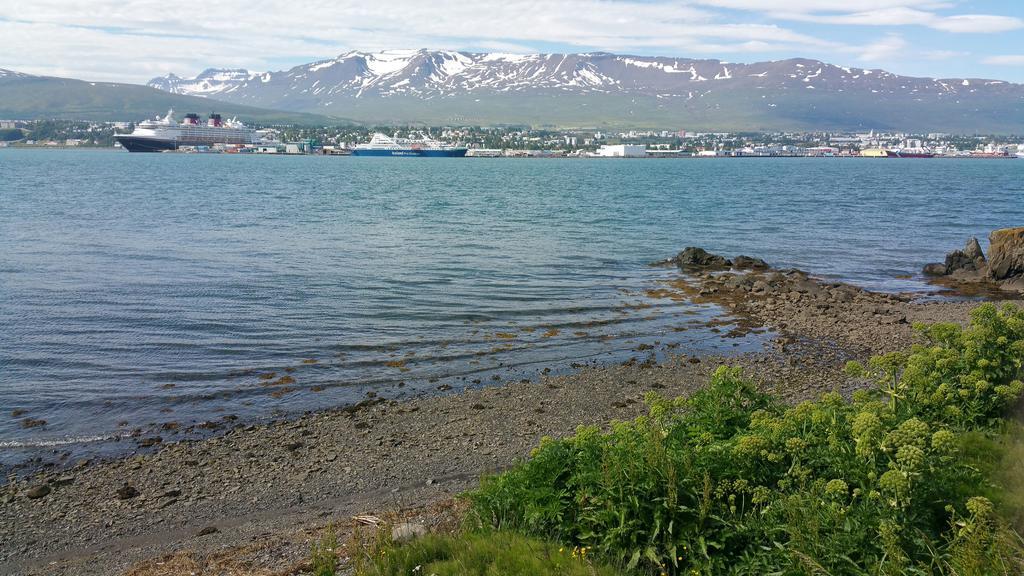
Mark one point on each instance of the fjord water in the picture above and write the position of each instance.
(138, 291)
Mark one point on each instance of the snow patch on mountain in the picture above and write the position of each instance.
(387, 62)
(322, 65)
(652, 64)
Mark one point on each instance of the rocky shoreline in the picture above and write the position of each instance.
(970, 270)
(252, 499)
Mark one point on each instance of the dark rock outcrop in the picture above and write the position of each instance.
(694, 257)
(973, 250)
(967, 262)
(1006, 254)
(1004, 267)
(748, 262)
(957, 260)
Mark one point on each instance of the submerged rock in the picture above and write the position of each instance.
(32, 423)
(148, 442)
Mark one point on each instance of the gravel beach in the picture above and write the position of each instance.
(251, 500)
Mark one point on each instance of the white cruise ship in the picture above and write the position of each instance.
(165, 133)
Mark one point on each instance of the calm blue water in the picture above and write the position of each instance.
(138, 290)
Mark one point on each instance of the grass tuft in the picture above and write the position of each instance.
(479, 553)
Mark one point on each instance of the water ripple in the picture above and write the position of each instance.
(137, 290)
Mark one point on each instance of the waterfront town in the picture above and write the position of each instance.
(518, 141)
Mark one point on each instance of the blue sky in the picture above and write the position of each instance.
(135, 40)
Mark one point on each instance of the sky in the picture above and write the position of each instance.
(136, 40)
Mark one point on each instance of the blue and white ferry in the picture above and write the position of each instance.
(420, 146)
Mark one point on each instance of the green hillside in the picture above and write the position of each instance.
(25, 97)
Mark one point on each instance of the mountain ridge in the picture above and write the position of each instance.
(437, 86)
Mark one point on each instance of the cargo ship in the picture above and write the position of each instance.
(420, 146)
(161, 134)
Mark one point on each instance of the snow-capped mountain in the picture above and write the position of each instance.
(209, 82)
(595, 88)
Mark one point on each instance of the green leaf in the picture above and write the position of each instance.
(633, 560)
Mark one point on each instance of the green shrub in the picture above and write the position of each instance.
(730, 481)
(478, 553)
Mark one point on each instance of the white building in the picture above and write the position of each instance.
(621, 151)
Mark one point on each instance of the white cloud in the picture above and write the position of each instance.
(808, 6)
(893, 47)
(979, 23)
(876, 13)
(943, 54)
(499, 46)
(895, 16)
(883, 50)
(1005, 60)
